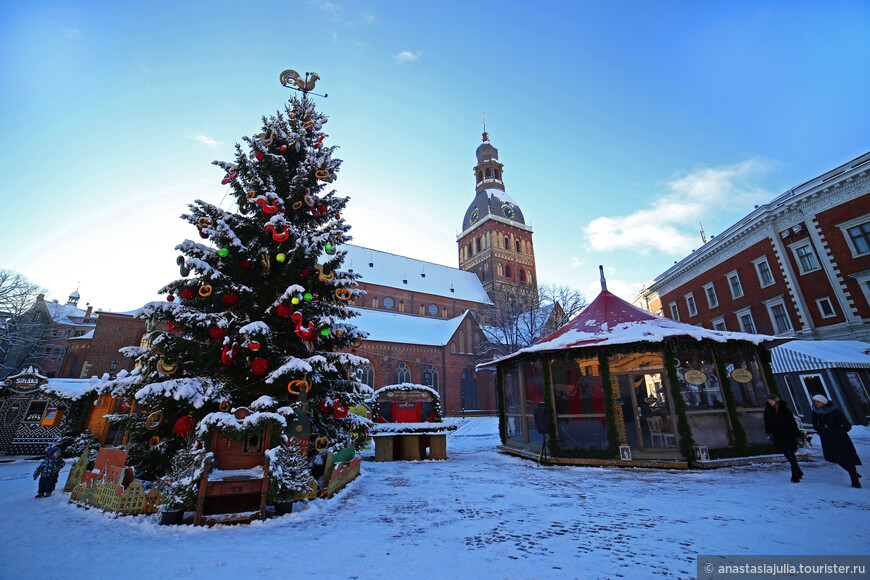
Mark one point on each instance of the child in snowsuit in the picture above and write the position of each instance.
(48, 471)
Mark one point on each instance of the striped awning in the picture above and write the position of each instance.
(812, 355)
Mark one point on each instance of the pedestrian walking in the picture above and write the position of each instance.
(833, 429)
(779, 423)
(48, 471)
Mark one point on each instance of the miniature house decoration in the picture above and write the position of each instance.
(408, 423)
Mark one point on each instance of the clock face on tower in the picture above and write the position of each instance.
(475, 215)
(507, 211)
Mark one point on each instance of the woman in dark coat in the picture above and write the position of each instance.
(779, 423)
(833, 429)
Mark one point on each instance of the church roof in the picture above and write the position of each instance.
(406, 329)
(492, 202)
(393, 271)
(610, 320)
(65, 313)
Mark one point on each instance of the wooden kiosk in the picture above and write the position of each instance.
(409, 426)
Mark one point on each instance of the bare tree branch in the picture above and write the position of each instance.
(23, 324)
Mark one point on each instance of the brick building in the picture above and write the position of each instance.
(93, 353)
(798, 266)
(425, 319)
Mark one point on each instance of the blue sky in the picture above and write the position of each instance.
(621, 125)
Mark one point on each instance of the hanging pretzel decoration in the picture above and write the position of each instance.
(321, 443)
(224, 406)
(166, 369)
(154, 442)
(267, 142)
(323, 277)
(342, 294)
(153, 421)
(321, 174)
(205, 291)
(282, 237)
(297, 205)
(204, 222)
(355, 342)
(295, 387)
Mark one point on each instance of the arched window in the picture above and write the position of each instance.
(402, 374)
(366, 374)
(497, 176)
(507, 243)
(401, 305)
(500, 270)
(522, 275)
(421, 310)
(430, 376)
(517, 243)
(443, 313)
(461, 339)
(468, 390)
(507, 271)
(476, 244)
(479, 176)
(374, 302)
(452, 347)
(487, 172)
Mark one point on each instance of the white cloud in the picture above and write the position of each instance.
(332, 9)
(206, 140)
(407, 56)
(671, 224)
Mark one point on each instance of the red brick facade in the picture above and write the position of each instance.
(802, 262)
(86, 358)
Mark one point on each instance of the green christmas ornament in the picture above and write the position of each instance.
(324, 332)
(281, 257)
(224, 252)
(307, 296)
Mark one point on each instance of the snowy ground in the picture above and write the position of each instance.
(480, 514)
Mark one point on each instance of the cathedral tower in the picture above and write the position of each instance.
(496, 243)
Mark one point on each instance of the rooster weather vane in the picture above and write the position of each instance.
(293, 80)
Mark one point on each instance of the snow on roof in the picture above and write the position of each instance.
(88, 334)
(394, 271)
(71, 389)
(809, 355)
(500, 195)
(390, 327)
(63, 313)
(610, 320)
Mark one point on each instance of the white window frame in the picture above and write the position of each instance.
(770, 304)
(800, 245)
(707, 288)
(863, 279)
(757, 263)
(691, 306)
(824, 385)
(851, 224)
(734, 274)
(798, 410)
(675, 311)
(746, 312)
(819, 301)
(720, 321)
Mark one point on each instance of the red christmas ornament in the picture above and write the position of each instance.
(170, 297)
(217, 333)
(260, 155)
(283, 311)
(186, 294)
(246, 264)
(183, 426)
(202, 234)
(283, 149)
(325, 408)
(305, 273)
(341, 411)
(254, 346)
(259, 366)
(172, 328)
(230, 298)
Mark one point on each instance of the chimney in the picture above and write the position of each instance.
(603, 280)
(90, 309)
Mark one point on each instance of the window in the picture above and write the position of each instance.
(421, 310)
(863, 279)
(778, 315)
(389, 302)
(734, 284)
(430, 376)
(366, 374)
(443, 313)
(522, 275)
(712, 299)
(765, 276)
(825, 307)
(690, 304)
(496, 173)
(744, 318)
(479, 176)
(374, 302)
(857, 235)
(487, 172)
(675, 312)
(507, 271)
(507, 243)
(719, 323)
(517, 243)
(806, 258)
(402, 374)
(401, 305)
(476, 245)
(35, 411)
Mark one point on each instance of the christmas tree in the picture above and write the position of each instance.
(259, 316)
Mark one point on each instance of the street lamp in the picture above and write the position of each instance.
(113, 367)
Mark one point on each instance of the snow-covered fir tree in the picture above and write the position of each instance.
(261, 302)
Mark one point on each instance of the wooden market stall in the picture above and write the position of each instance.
(408, 423)
(619, 385)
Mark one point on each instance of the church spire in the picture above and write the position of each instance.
(488, 171)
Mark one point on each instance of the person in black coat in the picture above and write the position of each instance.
(833, 429)
(779, 423)
(48, 471)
